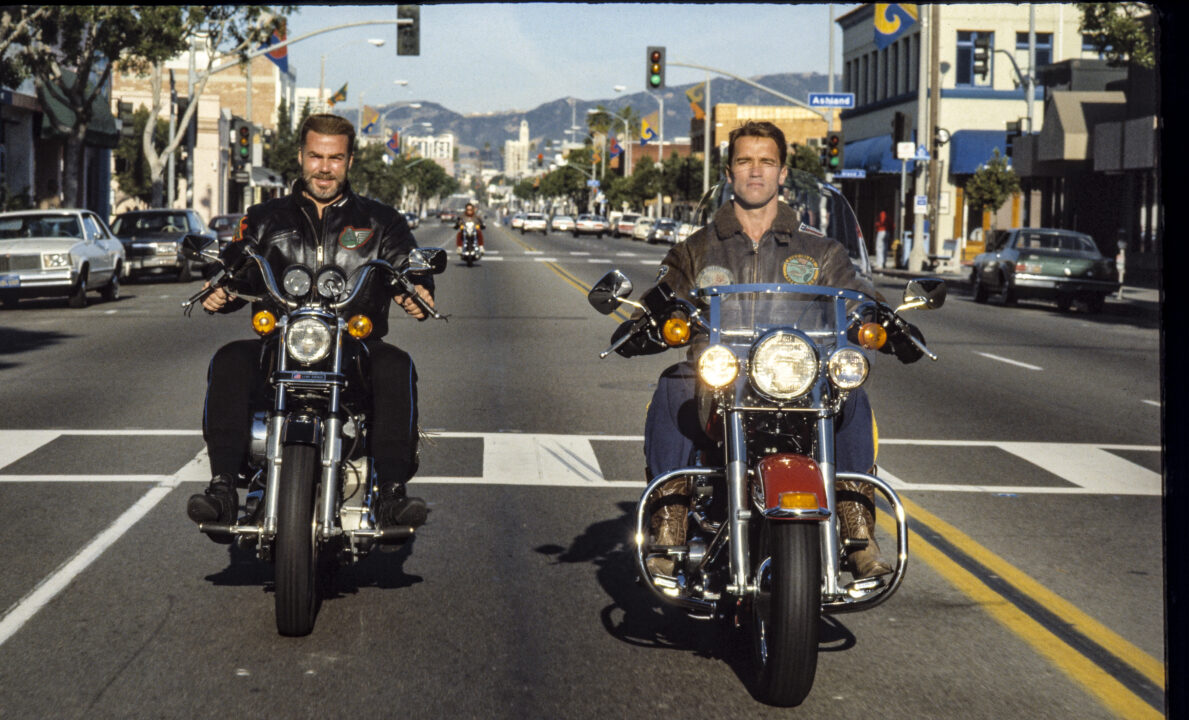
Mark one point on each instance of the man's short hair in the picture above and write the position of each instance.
(761, 129)
(328, 124)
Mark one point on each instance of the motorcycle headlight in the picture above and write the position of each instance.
(717, 366)
(848, 368)
(50, 261)
(308, 340)
(783, 365)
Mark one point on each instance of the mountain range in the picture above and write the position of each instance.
(486, 133)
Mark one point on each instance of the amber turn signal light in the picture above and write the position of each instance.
(264, 323)
(676, 332)
(872, 336)
(360, 326)
(798, 501)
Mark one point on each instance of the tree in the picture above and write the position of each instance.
(806, 158)
(281, 154)
(132, 167)
(992, 185)
(15, 26)
(1123, 32)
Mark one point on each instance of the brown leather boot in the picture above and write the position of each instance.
(856, 520)
(668, 522)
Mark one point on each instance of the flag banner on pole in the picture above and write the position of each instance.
(394, 142)
(371, 118)
(892, 20)
(697, 95)
(279, 57)
(596, 158)
(646, 131)
(338, 97)
(615, 150)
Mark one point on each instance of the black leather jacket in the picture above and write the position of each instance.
(352, 230)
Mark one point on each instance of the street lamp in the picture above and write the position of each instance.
(375, 42)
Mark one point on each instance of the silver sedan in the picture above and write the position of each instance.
(65, 253)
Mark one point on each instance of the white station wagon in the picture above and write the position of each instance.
(64, 253)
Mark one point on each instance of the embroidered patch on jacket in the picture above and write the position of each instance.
(663, 271)
(800, 269)
(713, 275)
(352, 238)
(811, 230)
(240, 229)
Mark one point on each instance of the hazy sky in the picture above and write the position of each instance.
(479, 58)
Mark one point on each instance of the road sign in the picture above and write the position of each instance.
(904, 151)
(592, 183)
(920, 204)
(240, 176)
(851, 174)
(922, 153)
(832, 100)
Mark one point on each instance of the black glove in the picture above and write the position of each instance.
(899, 343)
(641, 344)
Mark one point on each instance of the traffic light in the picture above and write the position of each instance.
(900, 130)
(408, 37)
(127, 120)
(241, 144)
(834, 151)
(982, 56)
(655, 76)
(540, 159)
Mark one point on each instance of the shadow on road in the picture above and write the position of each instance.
(14, 341)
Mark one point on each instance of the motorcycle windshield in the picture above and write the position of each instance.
(744, 317)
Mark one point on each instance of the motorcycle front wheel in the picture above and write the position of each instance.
(295, 551)
(786, 611)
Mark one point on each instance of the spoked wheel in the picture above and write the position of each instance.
(295, 550)
(786, 611)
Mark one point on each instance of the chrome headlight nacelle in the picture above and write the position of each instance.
(783, 365)
(848, 368)
(308, 340)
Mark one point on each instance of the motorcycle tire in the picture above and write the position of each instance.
(786, 612)
(295, 548)
(470, 262)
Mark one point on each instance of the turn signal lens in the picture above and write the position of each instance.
(675, 332)
(872, 336)
(264, 323)
(798, 501)
(360, 326)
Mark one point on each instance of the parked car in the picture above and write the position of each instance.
(665, 230)
(518, 221)
(587, 224)
(684, 230)
(225, 227)
(562, 223)
(642, 227)
(447, 216)
(153, 241)
(625, 224)
(68, 253)
(1047, 264)
(534, 222)
(413, 219)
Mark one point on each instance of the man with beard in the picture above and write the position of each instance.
(320, 223)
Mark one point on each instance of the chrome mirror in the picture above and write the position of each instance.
(609, 292)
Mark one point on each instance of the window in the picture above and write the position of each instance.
(1044, 49)
(1089, 48)
(894, 90)
(93, 230)
(965, 59)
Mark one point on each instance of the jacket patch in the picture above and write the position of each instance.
(811, 230)
(241, 229)
(800, 269)
(352, 238)
(712, 276)
(662, 272)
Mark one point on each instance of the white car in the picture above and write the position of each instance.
(590, 225)
(518, 221)
(684, 230)
(534, 222)
(45, 253)
(562, 223)
(413, 219)
(642, 227)
(625, 224)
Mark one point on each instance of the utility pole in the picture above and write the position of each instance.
(934, 108)
(707, 128)
(171, 170)
(916, 254)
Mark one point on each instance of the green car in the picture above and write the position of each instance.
(1062, 266)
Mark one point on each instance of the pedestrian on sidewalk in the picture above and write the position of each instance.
(882, 228)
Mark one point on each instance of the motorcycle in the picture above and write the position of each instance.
(469, 248)
(763, 547)
(309, 473)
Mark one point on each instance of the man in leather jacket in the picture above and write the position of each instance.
(469, 214)
(755, 239)
(321, 222)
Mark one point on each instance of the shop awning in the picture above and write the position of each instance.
(971, 149)
(874, 154)
(58, 117)
(263, 177)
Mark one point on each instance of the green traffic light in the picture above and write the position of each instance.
(654, 80)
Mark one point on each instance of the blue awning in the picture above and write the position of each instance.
(873, 154)
(971, 149)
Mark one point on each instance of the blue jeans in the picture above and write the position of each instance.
(672, 431)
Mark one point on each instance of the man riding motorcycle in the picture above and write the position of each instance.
(755, 239)
(321, 222)
(469, 214)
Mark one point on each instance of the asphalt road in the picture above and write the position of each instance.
(1029, 454)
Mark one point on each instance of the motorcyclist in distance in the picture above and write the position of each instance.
(321, 222)
(469, 214)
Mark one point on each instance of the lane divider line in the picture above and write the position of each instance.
(1009, 361)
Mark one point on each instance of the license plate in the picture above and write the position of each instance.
(10, 281)
(159, 261)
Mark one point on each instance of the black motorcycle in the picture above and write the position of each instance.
(309, 473)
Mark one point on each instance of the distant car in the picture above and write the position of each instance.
(534, 222)
(1046, 264)
(153, 241)
(642, 227)
(413, 219)
(448, 216)
(562, 223)
(587, 224)
(225, 227)
(46, 253)
(518, 221)
(684, 230)
(665, 230)
(625, 224)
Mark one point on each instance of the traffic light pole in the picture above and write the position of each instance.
(827, 116)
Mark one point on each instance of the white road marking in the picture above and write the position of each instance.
(534, 252)
(626, 254)
(579, 253)
(1152, 402)
(1009, 361)
(45, 591)
(493, 259)
(110, 312)
(545, 259)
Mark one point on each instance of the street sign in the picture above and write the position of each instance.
(592, 183)
(832, 100)
(240, 176)
(851, 174)
(920, 204)
(922, 153)
(904, 151)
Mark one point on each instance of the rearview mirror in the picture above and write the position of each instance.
(925, 293)
(609, 292)
(426, 260)
(197, 247)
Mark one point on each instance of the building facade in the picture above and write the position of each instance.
(799, 125)
(516, 154)
(439, 148)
